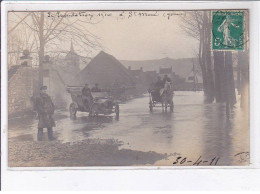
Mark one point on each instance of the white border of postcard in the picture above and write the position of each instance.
(142, 177)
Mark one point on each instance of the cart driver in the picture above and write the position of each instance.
(158, 83)
(86, 96)
(166, 79)
(158, 87)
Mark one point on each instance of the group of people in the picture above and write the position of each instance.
(159, 85)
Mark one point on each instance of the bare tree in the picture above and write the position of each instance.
(219, 85)
(19, 41)
(50, 33)
(196, 24)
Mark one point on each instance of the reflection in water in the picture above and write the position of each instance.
(194, 129)
(217, 130)
(78, 129)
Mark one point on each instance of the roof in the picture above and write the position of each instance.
(136, 71)
(107, 71)
(165, 70)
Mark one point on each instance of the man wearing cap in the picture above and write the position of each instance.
(45, 110)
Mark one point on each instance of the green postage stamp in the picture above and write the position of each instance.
(228, 30)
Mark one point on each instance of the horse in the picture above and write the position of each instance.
(167, 96)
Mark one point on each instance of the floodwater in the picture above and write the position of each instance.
(194, 133)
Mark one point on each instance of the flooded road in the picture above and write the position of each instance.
(194, 132)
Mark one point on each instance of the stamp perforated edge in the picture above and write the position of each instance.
(211, 34)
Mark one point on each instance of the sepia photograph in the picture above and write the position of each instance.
(128, 88)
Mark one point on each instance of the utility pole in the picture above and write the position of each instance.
(194, 76)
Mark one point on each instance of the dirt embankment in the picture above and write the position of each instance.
(85, 153)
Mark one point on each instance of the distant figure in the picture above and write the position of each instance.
(166, 79)
(45, 110)
(96, 88)
(159, 83)
(86, 96)
(158, 88)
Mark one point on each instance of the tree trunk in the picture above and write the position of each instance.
(230, 84)
(207, 58)
(41, 51)
(243, 60)
(219, 76)
(211, 93)
(202, 63)
(239, 73)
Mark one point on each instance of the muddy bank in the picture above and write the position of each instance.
(85, 153)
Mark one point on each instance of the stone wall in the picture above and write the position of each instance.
(20, 91)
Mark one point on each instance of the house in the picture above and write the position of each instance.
(166, 71)
(107, 71)
(150, 77)
(174, 77)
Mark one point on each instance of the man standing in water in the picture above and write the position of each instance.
(45, 110)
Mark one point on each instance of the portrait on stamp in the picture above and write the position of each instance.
(128, 88)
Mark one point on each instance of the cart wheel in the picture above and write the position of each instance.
(151, 106)
(171, 106)
(73, 109)
(117, 111)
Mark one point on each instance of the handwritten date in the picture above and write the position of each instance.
(183, 160)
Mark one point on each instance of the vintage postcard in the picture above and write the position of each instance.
(128, 88)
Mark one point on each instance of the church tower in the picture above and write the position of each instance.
(72, 59)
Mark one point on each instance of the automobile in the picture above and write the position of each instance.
(102, 103)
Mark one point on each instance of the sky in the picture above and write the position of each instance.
(136, 35)
(144, 38)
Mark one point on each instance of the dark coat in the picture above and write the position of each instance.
(87, 93)
(45, 110)
(159, 84)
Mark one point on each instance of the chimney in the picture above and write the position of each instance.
(26, 60)
(129, 67)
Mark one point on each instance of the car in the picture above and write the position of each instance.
(102, 103)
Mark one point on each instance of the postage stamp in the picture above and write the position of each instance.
(228, 30)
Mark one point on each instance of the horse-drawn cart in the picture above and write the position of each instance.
(161, 98)
(101, 103)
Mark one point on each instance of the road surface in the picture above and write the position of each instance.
(194, 134)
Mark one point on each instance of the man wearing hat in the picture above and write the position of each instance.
(158, 88)
(87, 96)
(45, 110)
